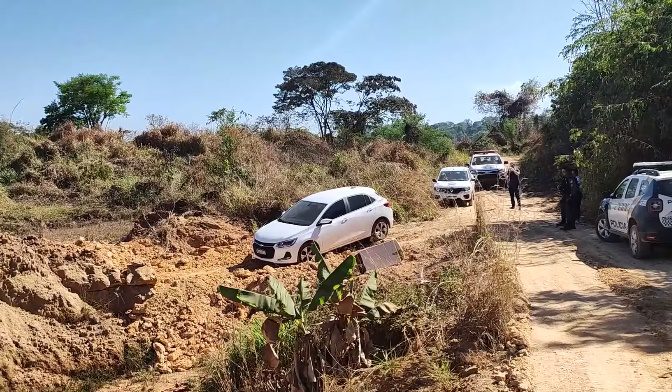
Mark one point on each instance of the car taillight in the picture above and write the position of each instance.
(655, 205)
(387, 204)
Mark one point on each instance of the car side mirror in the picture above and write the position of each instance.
(473, 179)
(506, 162)
(433, 179)
(323, 222)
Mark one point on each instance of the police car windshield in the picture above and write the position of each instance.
(487, 160)
(460, 175)
(665, 188)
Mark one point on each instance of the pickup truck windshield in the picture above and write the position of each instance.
(453, 176)
(487, 160)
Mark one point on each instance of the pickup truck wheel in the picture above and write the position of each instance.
(638, 248)
(602, 229)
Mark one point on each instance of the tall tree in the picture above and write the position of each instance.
(88, 100)
(376, 104)
(513, 112)
(312, 91)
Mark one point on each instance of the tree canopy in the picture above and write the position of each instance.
(88, 100)
(614, 106)
(312, 91)
(318, 91)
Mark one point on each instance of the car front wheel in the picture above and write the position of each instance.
(306, 253)
(602, 229)
(638, 248)
(379, 230)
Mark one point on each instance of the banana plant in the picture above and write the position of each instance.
(347, 339)
(281, 303)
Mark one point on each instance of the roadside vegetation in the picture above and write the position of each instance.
(613, 108)
(83, 174)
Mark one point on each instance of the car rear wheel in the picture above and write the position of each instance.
(602, 229)
(638, 248)
(306, 253)
(379, 230)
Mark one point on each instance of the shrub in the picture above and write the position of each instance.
(172, 139)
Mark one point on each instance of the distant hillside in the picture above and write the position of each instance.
(466, 129)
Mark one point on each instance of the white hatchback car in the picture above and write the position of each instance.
(330, 219)
(455, 184)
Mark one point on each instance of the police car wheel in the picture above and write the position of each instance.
(602, 230)
(638, 248)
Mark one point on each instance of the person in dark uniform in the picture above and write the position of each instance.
(514, 186)
(564, 189)
(575, 174)
(572, 203)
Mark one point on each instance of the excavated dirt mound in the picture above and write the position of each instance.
(56, 305)
(67, 308)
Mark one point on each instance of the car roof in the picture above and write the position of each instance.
(332, 195)
(662, 175)
(455, 168)
(487, 154)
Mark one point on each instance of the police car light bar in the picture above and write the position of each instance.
(486, 152)
(641, 165)
(651, 168)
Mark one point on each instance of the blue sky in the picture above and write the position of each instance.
(183, 59)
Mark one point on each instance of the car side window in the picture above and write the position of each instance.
(643, 187)
(335, 211)
(632, 188)
(358, 201)
(620, 191)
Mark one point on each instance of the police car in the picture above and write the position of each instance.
(640, 209)
(489, 168)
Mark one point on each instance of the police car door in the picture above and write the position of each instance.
(618, 208)
(630, 199)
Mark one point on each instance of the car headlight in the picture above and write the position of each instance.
(466, 189)
(286, 244)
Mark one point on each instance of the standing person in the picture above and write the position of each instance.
(572, 203)
(514, 186)
(575, 174)
(564, 189)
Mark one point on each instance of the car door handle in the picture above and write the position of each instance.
(344, 220)
(369, 210)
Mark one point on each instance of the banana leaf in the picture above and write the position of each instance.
(304, 295)
(322, 268)
(254, 300)
(282, 296)
(333, 282)
(367, 299)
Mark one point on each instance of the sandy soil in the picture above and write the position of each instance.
(594, 323)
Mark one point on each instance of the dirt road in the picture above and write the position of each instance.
(593, 327)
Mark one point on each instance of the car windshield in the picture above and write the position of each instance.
(665, 188)
(459, 175)
(487, 160)
(302, 213)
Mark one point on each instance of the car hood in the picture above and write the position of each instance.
(453, 184)
(488, 167)
(278, 231)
